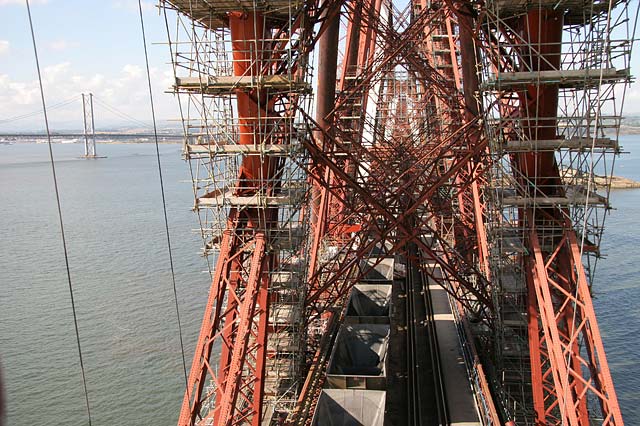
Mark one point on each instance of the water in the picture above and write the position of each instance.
(617, 286)
(112, 210)
(115, 230)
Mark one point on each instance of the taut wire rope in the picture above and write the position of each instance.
(164, 203)
(64, 241)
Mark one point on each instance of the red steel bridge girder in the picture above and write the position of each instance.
(561, 316)
(236, 316)
(348, 212)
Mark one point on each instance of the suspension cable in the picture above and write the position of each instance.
(164, 204)
(51, 107)
(55, 184)
(119, 113)
(186, 135)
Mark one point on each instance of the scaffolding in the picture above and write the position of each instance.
(240, 89)
(476, 134)
(553, 77)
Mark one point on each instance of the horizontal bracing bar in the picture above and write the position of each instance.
(211, 14)
(272, 150)
(578, 199)
(222, 85)
(250, 200)
(576, 11)
(562, 78)
(579, 144)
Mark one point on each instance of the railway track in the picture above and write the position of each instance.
(427, 400)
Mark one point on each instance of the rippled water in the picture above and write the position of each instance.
(617, 286)
(112, 210)
(115, 231)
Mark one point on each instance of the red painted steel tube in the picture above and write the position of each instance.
(559, 299)
(542, 29)
(250, 56)
(237, 310)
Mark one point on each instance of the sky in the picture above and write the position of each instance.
(84, 46)
(96, 46)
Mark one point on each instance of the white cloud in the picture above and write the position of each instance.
(127, 91)
(21, 2)
(4, 46)
(132, 71)
(132, 5)
(61, 44)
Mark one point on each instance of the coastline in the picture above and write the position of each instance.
(616, 182)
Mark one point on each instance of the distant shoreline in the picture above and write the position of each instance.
(629, 130)
(103, 139)
(616, 182)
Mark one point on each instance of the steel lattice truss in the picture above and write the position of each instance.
(469, 130)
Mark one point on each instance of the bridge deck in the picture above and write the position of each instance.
(462, 408)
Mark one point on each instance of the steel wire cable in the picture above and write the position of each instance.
(57, 193)
(119, 113)
(57, 105)
(185, 132)
(164, 203)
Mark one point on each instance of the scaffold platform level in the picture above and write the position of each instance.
(211, 13)
(221, 85)
(277, 380)
(573, 144)
(282, 150)
(576, 11)
(510, 281)
(286, 238)
(256, 201)
(579, 199)
(510, 241)
(284, 343)
(283, 314)
(566, 79)
(583, 122)
(283, 280)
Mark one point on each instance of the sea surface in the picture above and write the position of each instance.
(112, 210)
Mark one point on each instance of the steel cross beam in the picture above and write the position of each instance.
(568, 324)
(396, 222)
(365, 80)
(240, 348)
(237, 313)
(339, 152)
(460, 61)
(561, 321)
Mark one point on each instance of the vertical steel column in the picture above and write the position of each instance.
(237, 311)
(93, 127)
(326, 92)
(248, 34)
(560, 308)
(84, 122)
(542, 30)
(470, 89)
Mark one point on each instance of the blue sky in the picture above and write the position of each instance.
(96, 46)
(83, 46)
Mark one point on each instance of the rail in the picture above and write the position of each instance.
(475, 371)
(420, 327)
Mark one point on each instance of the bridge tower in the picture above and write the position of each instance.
(89, 126)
